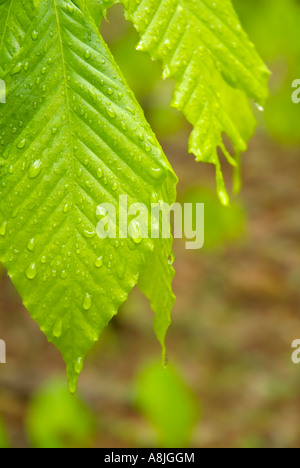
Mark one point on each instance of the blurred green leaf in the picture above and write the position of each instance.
(252, 441)
(275, 29)
(141, 74)
(3, 435)
(168, 404)
(98, 9)
(222, 224)
(56, 419)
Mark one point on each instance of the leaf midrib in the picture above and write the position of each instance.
(71, 149)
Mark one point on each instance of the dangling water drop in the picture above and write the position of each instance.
(78, 365)
(223, 196)
(259, 107)
(72, 383)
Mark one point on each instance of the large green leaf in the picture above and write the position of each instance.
(203, 46)
(72, 137)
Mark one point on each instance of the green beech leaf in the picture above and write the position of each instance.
(98, 9)
(15, 19)
(203, 46)
(72, 136)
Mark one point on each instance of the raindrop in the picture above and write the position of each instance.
(15, 212)
(223, 197)
(78, 365)
(70, 8)
(17, 68)
(21, 144)
(31, 245)
(72, 384)
(35, 169)
(111, 113)
(87, 301)
(135, 232)
(34, 35)
(31, 271)
(89, 234)
(98, 262)
(57, 329)
(259, 107)
(3, 229)
(155, 172)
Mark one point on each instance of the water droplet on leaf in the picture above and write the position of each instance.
(87, 301)
(34, 35)
(31, 245)
(35, 169)
(21, 144)
(98, 262)
(31, 271)
(57, 329)
(3, 229)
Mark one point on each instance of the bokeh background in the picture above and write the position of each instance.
(230, 381)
